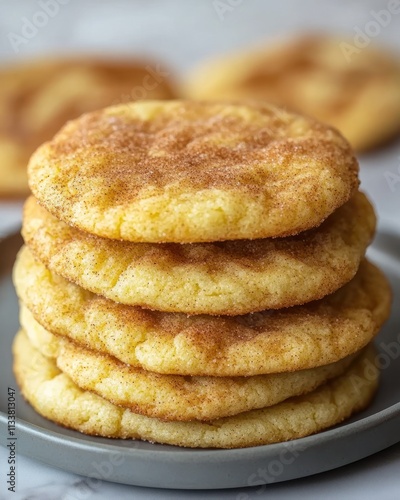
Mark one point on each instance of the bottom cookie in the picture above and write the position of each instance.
(56, 397)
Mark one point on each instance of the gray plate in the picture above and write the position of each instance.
(160, 466)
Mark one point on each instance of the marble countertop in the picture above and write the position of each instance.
(182, 32)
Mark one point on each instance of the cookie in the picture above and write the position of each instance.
(230, 278)
(355, 90)
(290, 339)
(173, 397)
(41, 383)
(37, 98)
(184, 172)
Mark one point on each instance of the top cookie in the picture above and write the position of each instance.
(356, 90)
(38, 97)
(182, 171)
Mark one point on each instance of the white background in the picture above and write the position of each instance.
(181, 33)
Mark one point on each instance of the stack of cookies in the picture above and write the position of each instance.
(194, 274)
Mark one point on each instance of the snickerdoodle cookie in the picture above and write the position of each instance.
(230, 277)
(38, 97)
(173, 397)
(290, 339)
(356, 90)
(183, 171)
(42, 383)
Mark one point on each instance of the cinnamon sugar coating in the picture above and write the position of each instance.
(182, 171)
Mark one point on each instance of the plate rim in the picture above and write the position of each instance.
(344, 430)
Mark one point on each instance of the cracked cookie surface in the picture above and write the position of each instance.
(185, 172)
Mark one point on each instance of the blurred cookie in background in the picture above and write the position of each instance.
(356, 90)
(38, 97)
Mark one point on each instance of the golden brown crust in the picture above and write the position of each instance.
(230, 278)
(182, 171)
(41, 383)
(37, 98)
(295, 338)
(355, 90)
